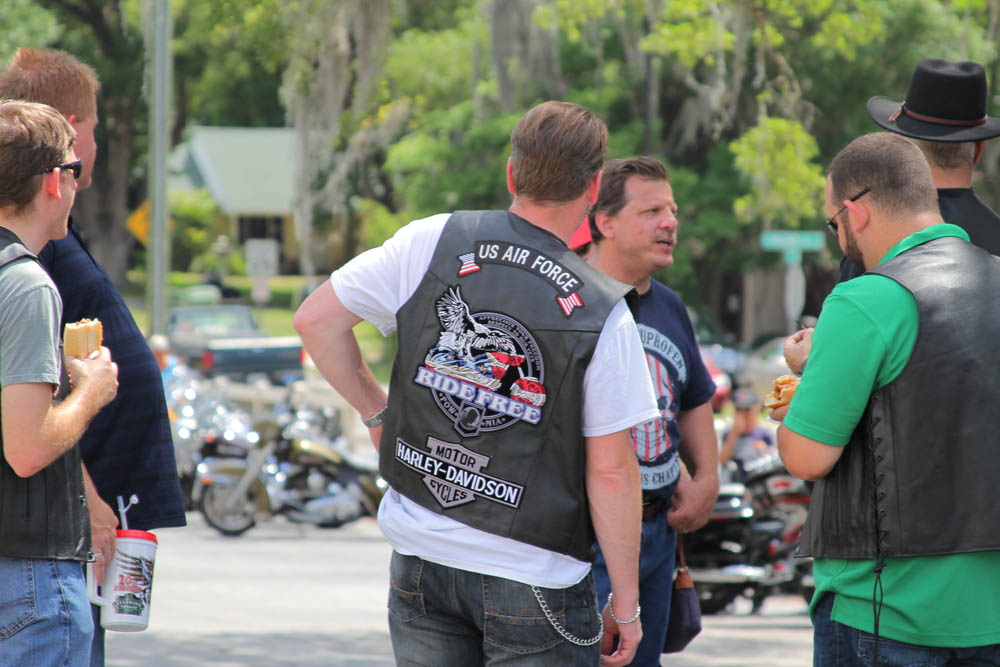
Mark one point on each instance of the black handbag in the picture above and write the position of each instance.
(685, 612)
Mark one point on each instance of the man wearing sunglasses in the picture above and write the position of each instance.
(128, 447)
(897, 429)
(44, 528)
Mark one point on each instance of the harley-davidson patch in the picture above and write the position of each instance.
(485, 371)
(454, 474)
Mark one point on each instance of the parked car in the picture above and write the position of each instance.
(226, 340)
(763, 364)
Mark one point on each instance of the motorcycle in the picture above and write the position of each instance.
(748, 546)
(779, 495)
(300, 467)
(203, 425)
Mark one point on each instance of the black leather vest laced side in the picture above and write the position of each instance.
(45, 515)
(484, 416)
(921, 470)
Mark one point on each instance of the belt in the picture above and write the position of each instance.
(652, 507)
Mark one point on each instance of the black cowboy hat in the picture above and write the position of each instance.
(946, 101)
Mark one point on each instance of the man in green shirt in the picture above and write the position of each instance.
(907, 567)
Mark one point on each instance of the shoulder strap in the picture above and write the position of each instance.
(11, 248)
(11, 253)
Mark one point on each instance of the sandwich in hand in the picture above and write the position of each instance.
(781, 394)
(83, 338)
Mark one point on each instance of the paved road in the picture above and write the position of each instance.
(290, 595)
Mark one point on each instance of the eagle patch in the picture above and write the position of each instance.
(485, 372)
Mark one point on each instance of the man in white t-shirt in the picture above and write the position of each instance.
(505, 434)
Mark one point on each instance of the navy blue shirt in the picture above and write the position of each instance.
(128, 446)
(681, 382)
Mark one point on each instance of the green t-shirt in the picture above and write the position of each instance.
(862, 341)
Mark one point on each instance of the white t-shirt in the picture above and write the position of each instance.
(618, 395)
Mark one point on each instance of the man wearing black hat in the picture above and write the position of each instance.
(945, 113)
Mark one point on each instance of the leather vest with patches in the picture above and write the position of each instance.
(919, 476)
(45, 515)
(484, 417)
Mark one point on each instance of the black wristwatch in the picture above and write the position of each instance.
(802, 367)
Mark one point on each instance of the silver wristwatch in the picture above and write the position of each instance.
(376, 419)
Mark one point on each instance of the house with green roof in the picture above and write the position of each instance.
(249, 172)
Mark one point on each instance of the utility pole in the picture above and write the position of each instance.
(158, 251)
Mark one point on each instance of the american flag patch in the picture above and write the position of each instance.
(569, 303)
(468, 266)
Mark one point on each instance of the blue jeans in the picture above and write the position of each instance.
(656, 584)
(839, 645)
(44, 613)
(440, 615)
(97, 646)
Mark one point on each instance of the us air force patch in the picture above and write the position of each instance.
(486, 370)
(565, 282)
(454, 474)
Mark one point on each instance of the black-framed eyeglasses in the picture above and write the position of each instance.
(76, 166)
(831, 222)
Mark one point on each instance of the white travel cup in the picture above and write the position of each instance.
(128, 582)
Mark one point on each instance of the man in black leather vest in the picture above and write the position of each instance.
(44, 527)
(505, 434)
(894, 419)
(945, 114)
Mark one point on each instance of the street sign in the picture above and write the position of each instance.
(784, 239)
(792, 244)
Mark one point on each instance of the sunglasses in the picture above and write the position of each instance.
(831, 222)
(76, 166)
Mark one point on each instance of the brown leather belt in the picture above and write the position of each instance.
(652, 507)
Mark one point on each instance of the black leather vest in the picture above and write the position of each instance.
(485, 400)
(920, 473)
(45, 515)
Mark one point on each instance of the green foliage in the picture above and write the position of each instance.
(228, 61)
(709, 233)
(573, 16)
(786, 185)
(377, 222)
(430, 15)
(452, 162)
(208, 262)
(197, 221)
(435, 69)
(24, 23)
(689, 34)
